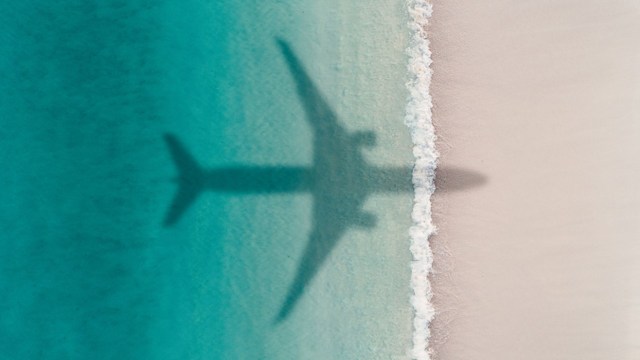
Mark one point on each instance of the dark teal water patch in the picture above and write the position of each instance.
(78, 119)
(86, 269)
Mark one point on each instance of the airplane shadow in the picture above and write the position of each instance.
(340, 180)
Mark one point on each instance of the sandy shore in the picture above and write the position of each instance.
(543, 99)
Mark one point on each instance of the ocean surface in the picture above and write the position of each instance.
(94, 97)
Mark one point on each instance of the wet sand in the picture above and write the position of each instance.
(543, 99)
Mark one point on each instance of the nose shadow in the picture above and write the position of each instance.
(449, 179)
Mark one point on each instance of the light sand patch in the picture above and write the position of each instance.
(543, 99)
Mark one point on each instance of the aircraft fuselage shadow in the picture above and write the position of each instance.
(340, 180)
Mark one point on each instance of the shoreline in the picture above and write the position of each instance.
(418, 119)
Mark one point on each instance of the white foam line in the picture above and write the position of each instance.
(418, 119)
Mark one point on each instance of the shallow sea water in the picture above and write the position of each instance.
(87, 269)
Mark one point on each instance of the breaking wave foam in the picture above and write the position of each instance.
(418, 119)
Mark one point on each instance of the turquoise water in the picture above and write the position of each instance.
(87, 269)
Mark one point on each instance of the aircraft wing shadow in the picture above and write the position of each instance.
(320, 244)
(338, 193)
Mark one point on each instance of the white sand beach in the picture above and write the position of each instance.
(543, 99)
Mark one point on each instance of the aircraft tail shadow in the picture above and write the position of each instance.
(191, 180)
